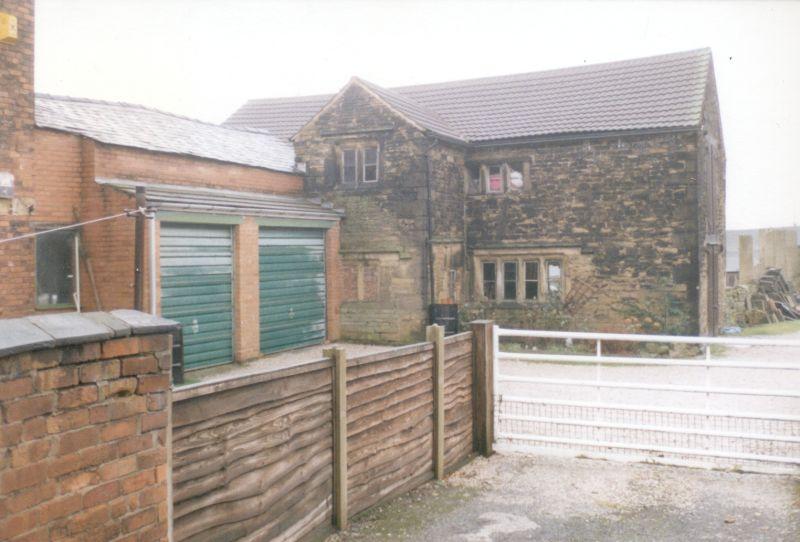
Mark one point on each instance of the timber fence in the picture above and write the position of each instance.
(287, 453)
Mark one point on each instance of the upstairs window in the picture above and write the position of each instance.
(510, 281)
(489, 280)
(554, 278)
(55, 269)
(371, 164)
(494, 180)
(349, 167)
(532, 279)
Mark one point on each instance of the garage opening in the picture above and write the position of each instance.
(292, 288)
(196, 290)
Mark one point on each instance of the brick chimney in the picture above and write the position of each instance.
(16, 95)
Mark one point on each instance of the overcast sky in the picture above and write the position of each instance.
(205, 58)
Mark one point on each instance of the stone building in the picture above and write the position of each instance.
(590, 197)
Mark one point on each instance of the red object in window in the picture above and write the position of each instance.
(496, 182)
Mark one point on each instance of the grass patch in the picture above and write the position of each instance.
(781, 328)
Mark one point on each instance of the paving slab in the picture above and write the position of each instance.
(117, 326)
(20, 335)
(142, 323)
(71, 328)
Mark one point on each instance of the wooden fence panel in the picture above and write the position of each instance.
(458, 441)
(253, 456)
(389, 424)
(252, 461)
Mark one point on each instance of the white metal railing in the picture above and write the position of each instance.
(531, 410)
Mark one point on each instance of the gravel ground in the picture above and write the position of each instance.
(514, 497)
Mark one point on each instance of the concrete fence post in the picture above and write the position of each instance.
(483, 363)
(339, 435)
(435, 334)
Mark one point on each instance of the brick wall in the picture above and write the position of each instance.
(16, 142)
(246, 324)
(83, 453)
(62, 190)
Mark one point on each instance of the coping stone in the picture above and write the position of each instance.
(19, 335)
(119, 327)
(142, 323)
(71, 328)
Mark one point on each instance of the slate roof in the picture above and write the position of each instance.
(665, 91)
(144, 128)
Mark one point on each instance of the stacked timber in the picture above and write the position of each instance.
(777, 297)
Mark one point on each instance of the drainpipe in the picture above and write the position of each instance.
(429, 240)
(153, 263)
(138, 251)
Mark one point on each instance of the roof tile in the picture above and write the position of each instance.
(664, 91)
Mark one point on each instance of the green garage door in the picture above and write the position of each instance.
(196, 279)
(292, 287)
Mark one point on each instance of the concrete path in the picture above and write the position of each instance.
(522, 497)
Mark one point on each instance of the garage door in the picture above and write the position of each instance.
(292, 288)
(196, 280)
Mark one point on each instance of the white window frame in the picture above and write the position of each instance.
(364, 164)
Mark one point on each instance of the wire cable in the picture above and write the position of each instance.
(131, 212)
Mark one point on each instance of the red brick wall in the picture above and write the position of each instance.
(126, 163)
(84, 453)
(16, 127)
(62, 190)
(246, 324)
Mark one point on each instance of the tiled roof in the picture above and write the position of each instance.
(664, 91)
(414, 111)
(144, 128)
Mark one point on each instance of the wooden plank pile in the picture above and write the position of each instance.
(776, 297)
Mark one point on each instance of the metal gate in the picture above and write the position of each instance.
(558, 392)
(292, 287)
(196, 290)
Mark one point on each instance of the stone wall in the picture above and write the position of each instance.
(628, 204)
(85, 409)
(711, 213)
(385, 284)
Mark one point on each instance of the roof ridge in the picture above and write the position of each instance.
(64, 98)
(557, 71)
(410, 101)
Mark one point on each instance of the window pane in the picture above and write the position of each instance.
(495, 179)
(531, 280)
(349, 166)
(509, 280)
(489, 280)
(554, 277)
(371, 164)
(54, 268)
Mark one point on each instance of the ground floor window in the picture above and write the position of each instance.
(510, 280)
(532, 279)
(519, 277)
(554, 277)
(55, 269)
(489, 280)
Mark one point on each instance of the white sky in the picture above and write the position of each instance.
(204, 58)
